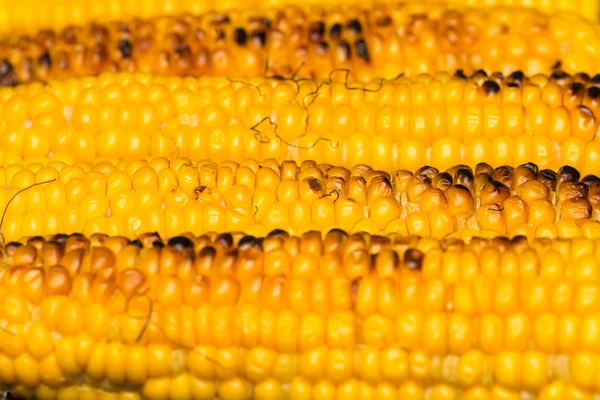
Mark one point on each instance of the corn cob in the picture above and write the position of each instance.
(169, 198)
(437, 120)
(380, 41)
(352, 317)
(33, 15)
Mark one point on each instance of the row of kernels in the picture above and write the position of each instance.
(509, 370)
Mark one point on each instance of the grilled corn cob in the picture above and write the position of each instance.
(33, 15)
(169, 198)
(377, 41)
(352, 317)
(437, 120)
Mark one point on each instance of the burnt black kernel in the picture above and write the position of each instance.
(460, 74)
(427, 170)
(559, 75)
(336, 31)
(207, 251)
(361, 50)
(354, 26)
(60, 238)
(259, 37)
(462, 187)
(464, 176)
(182, 49)
(249, 241)
(512, 84)
(596, 78)
(517, 76)
(582, 76)
(444, 177)
(557, 65)
(157, 244)
(278, 233)
(323, 46)
(568, 173)
(316, 31)
(180, 243)
(125, 48)
(45, 60)
(137, 243)
(497, 185)
(5, 68)
(548, 178)
(576, 87)
(224, 239)
(533, 167)
(413, 259)
(337, 231)
(491, 87)
(593, 92)
(240, 36)
(346, 49)
(35, 239)
(590, 180)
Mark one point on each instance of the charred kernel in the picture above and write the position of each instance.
(567, 173)
(484, 168)
(316, 31)
(157, 244)
(512, 84)
(322, 48)
(259, 38)
(278, 233)
(490, 88)
(137, 243)
(596, 78)
(361, 50)
(249, 241)
(240, 36)
(345, 50)
(557, 64)
(224, 240)
(559, 75)
(548, 178)
(207, 252)
(590, 180)
(576, 87)
(533, 167)
(354, 26)
(180, 243)
(428, 171)
(594, 92)
(336, 31)
(45, 60)
(517, 76)
(5, 68)
(383, 21)
(413, 259)
(125, 48)
(460, 74)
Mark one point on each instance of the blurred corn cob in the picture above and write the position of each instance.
(382, 41)
(32, 15)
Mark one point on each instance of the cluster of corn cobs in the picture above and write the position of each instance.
(240, 200)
